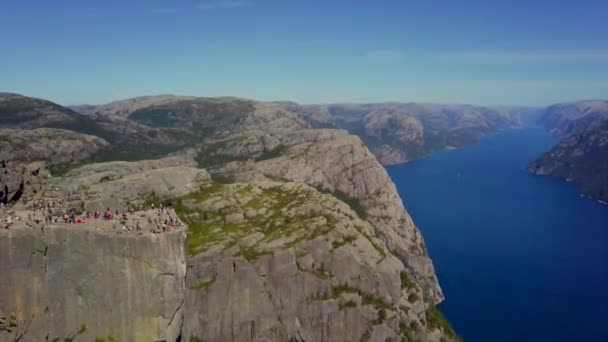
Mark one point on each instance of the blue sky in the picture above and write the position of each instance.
(483, 52)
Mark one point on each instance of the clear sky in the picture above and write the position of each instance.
(484, 52)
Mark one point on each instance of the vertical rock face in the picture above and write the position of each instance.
(284, 262)
(581, 158)
(123, 287)
(582, 154)
(339, 162)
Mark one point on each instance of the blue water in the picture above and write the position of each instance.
(520, 257)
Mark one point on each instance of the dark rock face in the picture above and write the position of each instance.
(582, 155)
(581, 158)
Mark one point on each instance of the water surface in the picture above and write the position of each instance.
(520, 257)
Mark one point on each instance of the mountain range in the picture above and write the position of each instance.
(295, 230)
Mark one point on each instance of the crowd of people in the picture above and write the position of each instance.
(44, 205)
(42, 213)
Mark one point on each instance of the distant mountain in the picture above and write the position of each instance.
(569, 118)
(17, 111)
(582, 155)
(400, 132)
(127, 138)
(85, 109)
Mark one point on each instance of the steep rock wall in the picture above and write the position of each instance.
(126, 287)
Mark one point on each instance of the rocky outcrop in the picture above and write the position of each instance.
(56, 146)
(340, 163)
(581, 158)
(112, 184)
(281, 261)
(123, 287)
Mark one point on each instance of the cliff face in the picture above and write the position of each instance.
(581, 158)
(342, 164)
(582, 155)
(281, 261)
(339, 162)
(126, 287)
(311, 243)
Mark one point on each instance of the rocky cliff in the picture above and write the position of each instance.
(340, 163)
(121, 288)
(582, 154)
(581, 158)
(282, 261)
(295, 233)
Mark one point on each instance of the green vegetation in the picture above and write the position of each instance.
(208, 227)
(320, 272)
(109, 339)
(348, 304)
(366, 298)
(436, 320)
(106, 178)
(117, 153)
(354, 203)
(381, 317)
(213, 154)
(407, 332)
(205, 284)
(72, 338)
(202, 116)
(223, 179)
(250, 253)
(132, 153)
(155, 117)
(8, 324)
(347, 240)
(274, 153)
(406, 282)
(195, 339)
